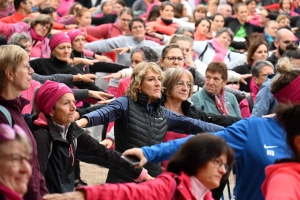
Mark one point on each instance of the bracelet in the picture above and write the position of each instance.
(80, 77)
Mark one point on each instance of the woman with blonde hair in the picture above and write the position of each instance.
(139, 118)
(15, 73)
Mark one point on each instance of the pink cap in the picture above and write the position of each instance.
(57, 39)
(48, 94)
(74, 33)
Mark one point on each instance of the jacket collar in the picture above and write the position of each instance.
(16, 104)
(185, 105)
(74, 130)
(142, 100)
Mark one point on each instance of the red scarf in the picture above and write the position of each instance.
(221, 104)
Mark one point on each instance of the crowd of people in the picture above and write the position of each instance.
(196, 90)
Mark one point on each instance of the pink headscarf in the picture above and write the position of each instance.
(74, 33)
(48, 95)
(290, 93)
(57, 39)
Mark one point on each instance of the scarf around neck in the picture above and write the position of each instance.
(220, 50)
(45, 43)
(220, 100)
(167, 21)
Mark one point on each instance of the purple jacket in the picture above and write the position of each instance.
(36, 186)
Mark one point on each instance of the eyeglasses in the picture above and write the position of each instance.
(17, 160)
(8, 133)
(218, 163)
(173, 59)
(28, 67)
(45, 26)
(181, 84)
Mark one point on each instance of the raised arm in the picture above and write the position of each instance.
(182, 124)
(106, 45)
(113, 111)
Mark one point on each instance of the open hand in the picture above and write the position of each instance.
(117, 75)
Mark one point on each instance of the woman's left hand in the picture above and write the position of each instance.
(77, 195)
(100, 95)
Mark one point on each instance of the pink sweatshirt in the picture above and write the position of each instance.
(64, 7)
(28, 94)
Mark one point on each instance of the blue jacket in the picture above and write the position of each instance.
(118, 108)
(257, 143)
(265, 102)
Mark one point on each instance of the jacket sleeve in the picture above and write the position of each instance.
(220, 120)
(235, 106)
(199, 78)
(61, 78)
(245, 110)
(163, 151)
(111, 112)
(110, 18)
(99, 31)
(239, 95)
(6, 29)
(263, 102)
(80, 94)
(126, 72)
(168, 30)
(106, 45)
(182, 124)
(43, 142)
(83, 111)
(233, 76)
(163, 187)
(88, 144)
(238, 45)
(68, 21)
(108, 67)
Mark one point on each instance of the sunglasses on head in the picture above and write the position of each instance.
(8, 133)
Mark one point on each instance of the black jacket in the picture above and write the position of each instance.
(234, 25)
(57, 155)
(190, 110)
(244, 69)
(50, 66)
(273, 59)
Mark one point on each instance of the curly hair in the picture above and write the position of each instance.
(138, 76)
(148, 54)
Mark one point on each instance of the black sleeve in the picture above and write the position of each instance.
(238, 45)
(88, 144)
(43, 142)
(106, 67)
(272, 16)
(83, 111)
(213, 118)
(110, 18)
(258, 29)
(84, 85)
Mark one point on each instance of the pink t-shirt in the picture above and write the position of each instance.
(28, 94)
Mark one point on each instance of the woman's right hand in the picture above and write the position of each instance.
(88, 78)
(83, 122)
(117, 75)
(76, 195)
(121, 50)
(139, 153)
(107, 143)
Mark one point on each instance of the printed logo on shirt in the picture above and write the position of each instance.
(269, 147)
(270, 152)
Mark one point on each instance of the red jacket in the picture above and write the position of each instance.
(161, 27)
(282, 181)
(15, 18)
(163, 187)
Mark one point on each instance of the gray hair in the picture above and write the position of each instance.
(16, 38)
(225, 30)
(271, 22)
(257, 66)
(181, 30)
